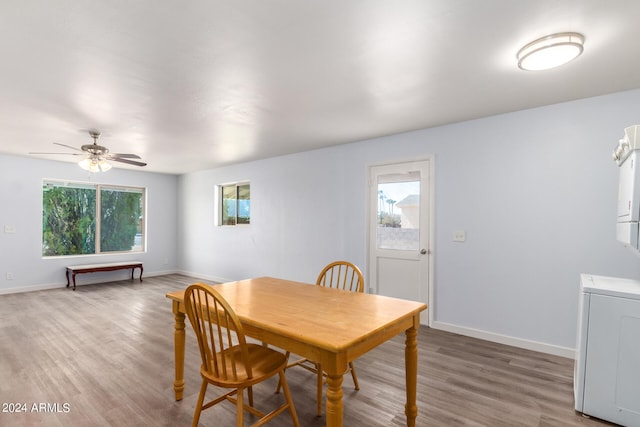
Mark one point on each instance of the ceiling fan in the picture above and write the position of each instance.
(96, 156)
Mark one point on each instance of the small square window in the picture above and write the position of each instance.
(235, 204)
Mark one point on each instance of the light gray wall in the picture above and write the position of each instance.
(534, 190)
(298, 219)
(21, 206)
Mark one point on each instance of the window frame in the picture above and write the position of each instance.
(98, 188)
(220, 199)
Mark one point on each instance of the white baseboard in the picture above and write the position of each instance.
(507, 340)
(32, 288)
(89, 281)
(204, 277)
(158, 273)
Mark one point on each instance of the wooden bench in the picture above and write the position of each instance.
(94, 268)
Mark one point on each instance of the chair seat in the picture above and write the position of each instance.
(264, 361)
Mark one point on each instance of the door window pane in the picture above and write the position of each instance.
(398, 211)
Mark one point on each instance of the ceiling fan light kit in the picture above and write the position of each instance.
(94, 164)
(550, 51)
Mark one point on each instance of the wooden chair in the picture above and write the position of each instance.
(227, 360)
(339, 275)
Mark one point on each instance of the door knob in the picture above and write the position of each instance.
(423, 251)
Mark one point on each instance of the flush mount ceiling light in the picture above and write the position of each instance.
(550, 51)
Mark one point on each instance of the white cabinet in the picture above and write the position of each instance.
(607, 367)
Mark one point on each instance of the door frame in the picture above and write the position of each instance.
(431, 227)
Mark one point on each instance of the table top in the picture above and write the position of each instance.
(328, 318)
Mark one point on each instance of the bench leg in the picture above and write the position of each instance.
(67, 274)
(74, 280)
(133, 271)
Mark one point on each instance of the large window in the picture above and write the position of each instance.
(81, 218)
(235, 204)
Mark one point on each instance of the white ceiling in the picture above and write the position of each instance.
(192, 85)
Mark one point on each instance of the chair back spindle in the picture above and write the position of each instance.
(220, 336)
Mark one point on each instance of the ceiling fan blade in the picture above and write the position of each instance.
(65, 154)
(67, 146)
(125, 156)
(131, 162)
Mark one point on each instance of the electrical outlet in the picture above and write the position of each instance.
(9, 228)
(459, 236)
(9, 276)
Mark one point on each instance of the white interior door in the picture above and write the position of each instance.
(400, 231)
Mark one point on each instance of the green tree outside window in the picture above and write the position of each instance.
(77, 216)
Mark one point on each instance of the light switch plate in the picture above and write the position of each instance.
(9, 228)
(459, 236)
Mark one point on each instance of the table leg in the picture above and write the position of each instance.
(178, 342)
(334, 409)
(411, 372)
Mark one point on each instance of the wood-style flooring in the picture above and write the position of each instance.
(103, 356)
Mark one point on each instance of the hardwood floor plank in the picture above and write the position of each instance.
(106, 351)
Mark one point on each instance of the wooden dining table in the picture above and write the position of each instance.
(325, 325)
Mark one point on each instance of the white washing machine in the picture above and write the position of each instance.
(607, 366)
